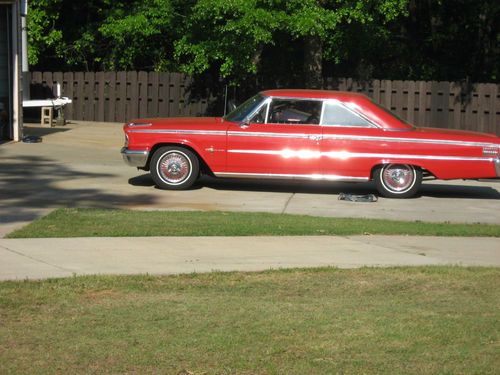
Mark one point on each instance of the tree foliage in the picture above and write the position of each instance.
(271, 42)
(234, 35)
(43, 35)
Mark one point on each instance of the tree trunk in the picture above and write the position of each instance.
(313, 63)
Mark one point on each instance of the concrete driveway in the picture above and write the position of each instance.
(79, 165)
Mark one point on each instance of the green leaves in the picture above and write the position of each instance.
(105, 35)
(232, 35)
(224, 36)
(227, 34)
(271, 40)
(138, 32)
(42, 34)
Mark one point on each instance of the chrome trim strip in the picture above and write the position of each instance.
(407, 140)
(311, 154)
(273, 135)
(286, 153)
(132, 124)
(164, 131)
(135, 158)
(297, 98)
(361, 138)
(322, 136)
(315, 177)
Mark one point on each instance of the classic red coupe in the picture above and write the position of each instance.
(308, 135)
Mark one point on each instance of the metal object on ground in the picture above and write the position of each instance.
(32, 139)
(358, 198)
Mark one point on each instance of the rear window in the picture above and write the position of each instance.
(336, 114)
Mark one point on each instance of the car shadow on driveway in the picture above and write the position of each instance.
(437, 190)
(434, 190)
(268, 185)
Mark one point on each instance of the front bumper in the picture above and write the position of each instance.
(135, 158)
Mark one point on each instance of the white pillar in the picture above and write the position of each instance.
(17, 114)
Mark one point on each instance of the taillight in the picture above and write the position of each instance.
(491, 151)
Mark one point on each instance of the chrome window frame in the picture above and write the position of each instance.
(266, 101)
(269, 99)
(372, 124)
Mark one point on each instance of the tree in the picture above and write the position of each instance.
(234, 35)
(107, 35)
(141, 34)
(269, 43)
(227, 34)
(42, 35)
(452, 40)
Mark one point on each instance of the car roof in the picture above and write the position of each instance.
(313, 94)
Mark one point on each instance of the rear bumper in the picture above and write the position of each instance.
(135, 158)
(497, 166)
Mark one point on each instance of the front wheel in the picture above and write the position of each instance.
(174, 168)
(397, 180)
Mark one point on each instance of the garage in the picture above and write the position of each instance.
(10, 78)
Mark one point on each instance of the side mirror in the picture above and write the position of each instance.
(245, 124)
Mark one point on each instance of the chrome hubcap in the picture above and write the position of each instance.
(398, 177)
(174, 168)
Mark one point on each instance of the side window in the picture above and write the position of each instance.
(286, 111)
(260, 116)
(337, 114)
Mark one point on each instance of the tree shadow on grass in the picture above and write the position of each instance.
(30, 185)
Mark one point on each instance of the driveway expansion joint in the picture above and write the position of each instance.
(287, 203)
(35, 259)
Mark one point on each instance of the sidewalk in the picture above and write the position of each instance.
(46, 258)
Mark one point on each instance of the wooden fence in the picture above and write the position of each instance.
(451, 105)
(120, 96)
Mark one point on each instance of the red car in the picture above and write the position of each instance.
(308, 135)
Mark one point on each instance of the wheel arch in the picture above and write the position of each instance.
(427, 174)
(204, 168)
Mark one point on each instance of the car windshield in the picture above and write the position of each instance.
(245, 109)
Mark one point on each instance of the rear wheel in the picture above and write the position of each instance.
(398, 180)
(174, 168)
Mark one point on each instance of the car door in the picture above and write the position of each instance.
(348, 148)
(281, 140)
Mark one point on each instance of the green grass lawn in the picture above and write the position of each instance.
(424, 320)
(72, 222)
